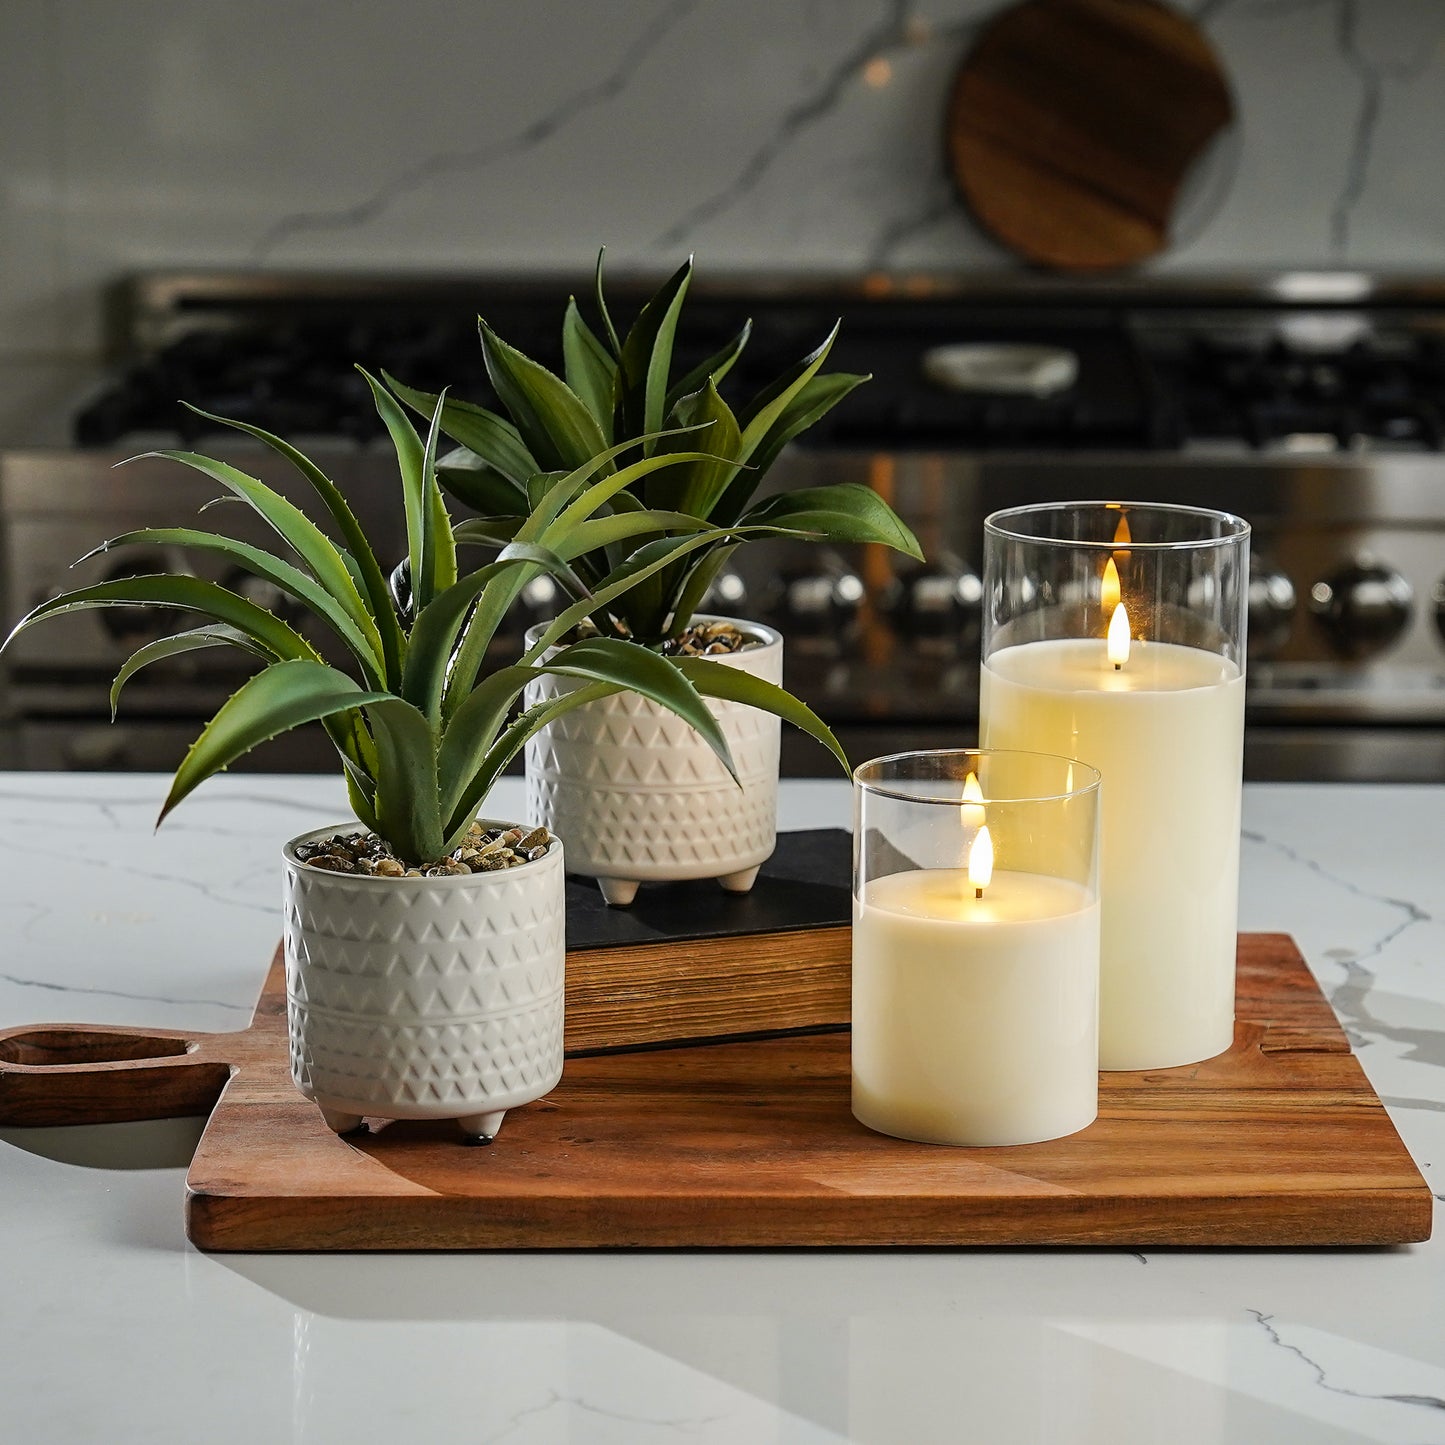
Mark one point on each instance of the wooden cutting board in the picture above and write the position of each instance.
(1073, 124)
(1281, 1141)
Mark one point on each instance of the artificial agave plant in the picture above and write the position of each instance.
(617, 391)
(422, 723)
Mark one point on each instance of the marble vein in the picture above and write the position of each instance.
(1350, 999)
(53, 987)
(1266, 1323)
(556, 1398)
(1372, 76)
(940, 205)
(477, 158)
(1413, 913)
(150, 801)
(112, 865)
(896, 29)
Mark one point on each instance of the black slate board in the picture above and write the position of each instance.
(807, 883)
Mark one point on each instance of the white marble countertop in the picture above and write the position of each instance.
(113, 1329)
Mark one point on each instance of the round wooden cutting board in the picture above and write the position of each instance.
(1073, 123)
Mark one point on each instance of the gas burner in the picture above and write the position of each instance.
(1384, 390)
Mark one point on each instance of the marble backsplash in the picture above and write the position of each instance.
(790, 134)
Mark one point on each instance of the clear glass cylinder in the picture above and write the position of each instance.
(1115, 632)
(975, 946)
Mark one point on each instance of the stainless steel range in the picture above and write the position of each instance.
(1314, 405)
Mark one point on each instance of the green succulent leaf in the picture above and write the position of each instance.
(601, 492)
(717, 679)
(185, 594)
(692, 583)
(764, 409)
(540, 485)
(511, 742)
(492, 439)
(430, 552)
(475, 483)
(366, 571)
(590, 370)
(714, 369)
(214, 634)
(696, 487)
(599, 532)
(843, 512)
(472, 730)
(365, 646)
(647, 560)
(316, 550)
(443, 545)
(544, 527)
(646, 361)
(487, 531)
(808, 405)
(434, 633)
(554, 423)
(282, 697)
(565, 491)
(599, 295)
(632, 666)
(408, 802)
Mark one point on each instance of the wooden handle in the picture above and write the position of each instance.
(88, 1074)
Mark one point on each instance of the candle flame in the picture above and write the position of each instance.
(1118, 646)
(980, 862)
(1109, 593)
(972, 807)
(1122, 535)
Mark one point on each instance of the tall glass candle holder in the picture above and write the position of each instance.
(1115, 632)
(975, 947)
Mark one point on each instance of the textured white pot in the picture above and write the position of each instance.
(424, 998)
(639, 797)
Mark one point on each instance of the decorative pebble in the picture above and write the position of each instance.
(483, 850)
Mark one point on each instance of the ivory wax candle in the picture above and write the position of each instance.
(974, 1019)
(975, 947)
(1149, 689)
(1166, 731)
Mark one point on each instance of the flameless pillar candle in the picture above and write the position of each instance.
(1162, 720)
(975, 988)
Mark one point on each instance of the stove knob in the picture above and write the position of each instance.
(133, 626)
(821, 605)
(728, 595)
(97, 750)
(276, 600)
(541, 600)
(1362, 608)
(937, 605)
(1272, 604)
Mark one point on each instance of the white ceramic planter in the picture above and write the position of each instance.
(639, 797)
(424, 998)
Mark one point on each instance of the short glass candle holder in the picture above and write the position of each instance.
(1115, 632)
(975, 947)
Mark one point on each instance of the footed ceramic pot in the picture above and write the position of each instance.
(424, 998)
(640, 797)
